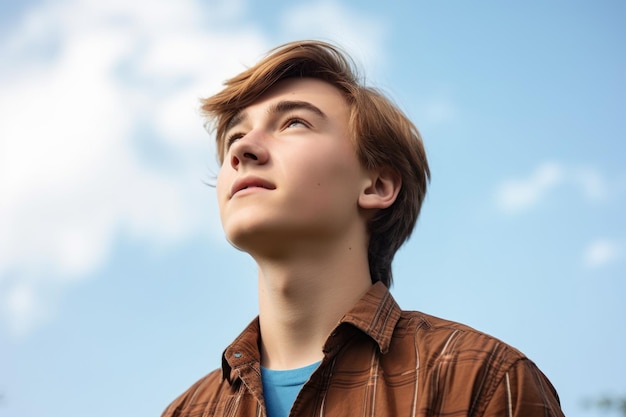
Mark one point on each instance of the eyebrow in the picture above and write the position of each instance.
(278, 108)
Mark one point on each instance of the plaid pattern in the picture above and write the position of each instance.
(382, 361)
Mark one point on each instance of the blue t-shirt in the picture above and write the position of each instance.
(280, 388)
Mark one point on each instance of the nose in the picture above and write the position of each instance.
(250, 149)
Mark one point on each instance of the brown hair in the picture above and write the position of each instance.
(384, 137)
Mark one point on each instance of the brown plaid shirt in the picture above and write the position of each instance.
(381, 361)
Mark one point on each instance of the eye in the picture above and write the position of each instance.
(232, 138)
(295, 122)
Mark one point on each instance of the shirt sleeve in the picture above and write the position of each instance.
(524, 391)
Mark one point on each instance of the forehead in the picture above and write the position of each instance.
(321, 94)
(311, 87)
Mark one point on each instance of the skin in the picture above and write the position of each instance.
(293, 194)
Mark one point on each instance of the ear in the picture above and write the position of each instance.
(381, 190)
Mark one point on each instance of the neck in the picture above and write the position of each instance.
(302, 298)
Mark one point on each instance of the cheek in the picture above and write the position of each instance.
(337, 169)
(331, 182)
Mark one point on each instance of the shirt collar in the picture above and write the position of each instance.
(376, 315)
(243, 351)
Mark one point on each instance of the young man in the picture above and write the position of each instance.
(321, 181)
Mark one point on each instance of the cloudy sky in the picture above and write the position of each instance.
(117, 288)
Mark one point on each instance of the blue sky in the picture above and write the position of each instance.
(117, 288)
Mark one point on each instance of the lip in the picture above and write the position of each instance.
(246, 183)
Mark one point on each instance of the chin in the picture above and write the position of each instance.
(249, 236)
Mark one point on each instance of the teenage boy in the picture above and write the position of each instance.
(321, 181)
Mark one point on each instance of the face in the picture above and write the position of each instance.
(290, 170)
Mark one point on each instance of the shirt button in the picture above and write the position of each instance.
(238, 354)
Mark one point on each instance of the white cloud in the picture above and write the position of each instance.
(593, 185)
(602, 252)
(329, 20)
(72, 177)
(518, 195)
(22, 303)
(84, 83)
